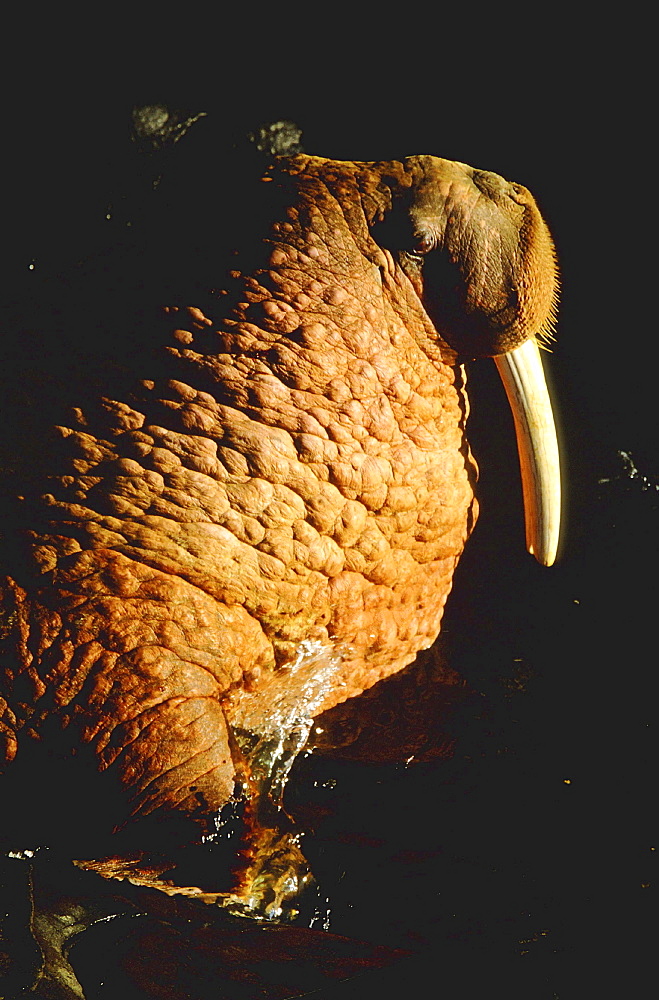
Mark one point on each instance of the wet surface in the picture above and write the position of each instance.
(467, 823)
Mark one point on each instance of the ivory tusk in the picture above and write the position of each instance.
(523, 378)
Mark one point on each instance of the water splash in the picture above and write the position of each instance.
(271, 726)
(631, 472)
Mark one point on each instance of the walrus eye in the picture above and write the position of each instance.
(423, 244)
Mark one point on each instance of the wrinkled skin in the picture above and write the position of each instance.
(293, 467)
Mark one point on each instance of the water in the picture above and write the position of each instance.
(271, 727)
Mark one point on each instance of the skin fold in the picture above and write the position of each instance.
(281, 462)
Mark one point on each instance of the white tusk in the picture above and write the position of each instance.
(524, 381)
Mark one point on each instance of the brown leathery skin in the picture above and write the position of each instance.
(296, 469)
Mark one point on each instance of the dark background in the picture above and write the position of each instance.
(535, 842)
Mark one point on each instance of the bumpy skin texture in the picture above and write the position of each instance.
(297, 470)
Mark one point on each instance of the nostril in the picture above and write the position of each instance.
(517, 193)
